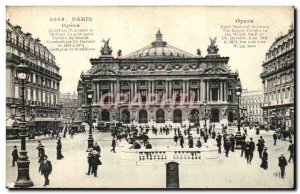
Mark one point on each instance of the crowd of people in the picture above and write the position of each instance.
(139, 135)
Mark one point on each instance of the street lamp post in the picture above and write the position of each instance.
(23, 179)
(90, 94)
(204, 103)
(238, 136)
(238, 94)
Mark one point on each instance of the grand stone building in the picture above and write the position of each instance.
(69, 106)
(42, 88)
(278, 78)
(160, 84)
(251, 102)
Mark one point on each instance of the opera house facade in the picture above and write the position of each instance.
(160, 84)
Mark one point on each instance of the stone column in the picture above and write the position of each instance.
(111, 91)
(188, 90)
(207, 91)
(131, 90)
(149, 87)
(117, 90)
(183, 90)
(152, 89)
(170, 89)
(199, 91)
(202, 90)
(94, 90)
(135, 88)
(221, 91)
(225, 91)
(167, 89)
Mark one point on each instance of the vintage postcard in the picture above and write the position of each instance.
(150, 97)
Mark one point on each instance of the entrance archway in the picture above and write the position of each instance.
(214, 115)
(194, 116)
(125, 116)
(160, 116)
(177, 116)
(105, 115)
(143, 116)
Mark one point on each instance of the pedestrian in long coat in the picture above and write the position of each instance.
(227, 147)
(95, 162)
(181, 141)
(113, 145)
(89, 159)
(275, 138)
(260, 147)
(282, 164)
(39, 148)
(191, 143)
(42, 151)
(45, 169)
(219, 139)
(15, 155)
(213, 134)
(264, 162)
(199, 144)
(292, 151)
(58, 149)
(248, 152)
(243, 143)
(175, 139)
(232, 142)
(252, 148)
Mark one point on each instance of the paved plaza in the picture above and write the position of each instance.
(231, 172)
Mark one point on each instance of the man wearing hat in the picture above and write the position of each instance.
(264, 162)
(113, 144)
(46, 169)
(15, 155)
(95, 161)
(248, 152)
(260, 147)
(89, 158)
(282, 164)
(226, 147)
(252, 148)
(39, 148)
(291, 149)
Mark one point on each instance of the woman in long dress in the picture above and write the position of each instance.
(58, 148)
(264, 162)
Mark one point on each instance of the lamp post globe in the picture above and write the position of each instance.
(23, 179)
(90, 95)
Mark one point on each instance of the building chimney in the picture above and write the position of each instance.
(38, 40)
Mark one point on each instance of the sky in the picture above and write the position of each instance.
(132, 28)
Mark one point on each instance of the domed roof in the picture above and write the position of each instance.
(158, 49)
